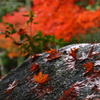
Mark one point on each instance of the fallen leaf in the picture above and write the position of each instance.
(40, 78)
(35, 67)
(69, 95)
(11, 86)
(89, 67)
(34, 57)
(41, 90)
(90, 54)
(90, 97)
(73, 53)
(53, 54)
(71, 65)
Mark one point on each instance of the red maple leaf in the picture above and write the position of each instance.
(89, 67)
(53, 54)
(35, 67)
(53, 51)
(71, 89)
(11, 86)
(73, 53)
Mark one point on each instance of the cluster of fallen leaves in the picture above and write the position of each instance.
(92, 75)
(40, 79)
(69, 95)
(40, 87)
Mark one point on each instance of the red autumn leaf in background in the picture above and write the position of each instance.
(91, 2)
(35, 67)
(62, 17)
(89, 67)
(22, 31)
(40, 78)
(53, 54)
(11, 86)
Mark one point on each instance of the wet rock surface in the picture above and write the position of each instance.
(70, 73)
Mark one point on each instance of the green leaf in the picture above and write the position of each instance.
(26, 15)
(31, 13)
(31, 19)
(9, 24)
(7, 32)
(27, 22)
(13, 31)
(22, 37)
(6, 36)
(6, 23)
(35, 23)
(40, 33)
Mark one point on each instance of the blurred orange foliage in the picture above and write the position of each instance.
(62, 18)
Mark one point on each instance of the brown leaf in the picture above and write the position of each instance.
(41, 90)
(69, 95)
(11, 86)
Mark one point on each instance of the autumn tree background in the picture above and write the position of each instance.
(75, 21)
